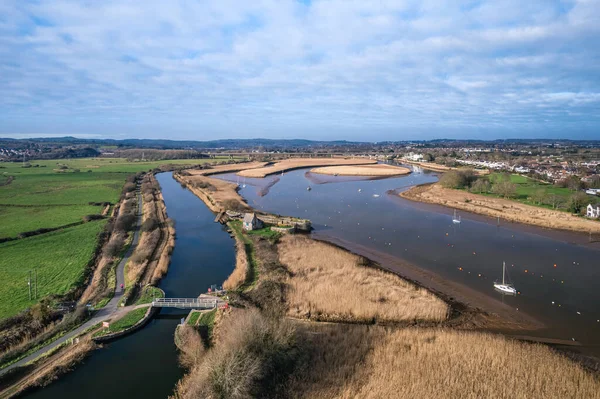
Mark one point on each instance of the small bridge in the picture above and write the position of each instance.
(188, 303)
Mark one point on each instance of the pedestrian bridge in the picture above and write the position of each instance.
(188, 303)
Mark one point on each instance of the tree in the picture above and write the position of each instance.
(428, 157)
(574, 183)
(539, 196)
(555, 200)
(577, 201)
(505, 189)
(480, 186)
(458, 178)
(595, 182)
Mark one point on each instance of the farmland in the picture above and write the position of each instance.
(51, 194)
(59, 257)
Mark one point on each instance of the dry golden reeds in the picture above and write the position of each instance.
(327, 283)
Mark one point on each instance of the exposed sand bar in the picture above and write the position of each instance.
(228, 168)
(298, 163)
(362, 170)
(497, 207)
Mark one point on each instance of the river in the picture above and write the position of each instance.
(144, 364)
(557, 278)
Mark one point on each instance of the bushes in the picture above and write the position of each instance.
(150, 224)
(458, 178)
(129, 187)
(125, 222)
(89, 218)
(505, 189)
(256, 353)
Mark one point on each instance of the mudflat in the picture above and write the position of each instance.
(298, 163)
(502, 208)
(362, 170)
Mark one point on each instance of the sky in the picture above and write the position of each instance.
(354, 69)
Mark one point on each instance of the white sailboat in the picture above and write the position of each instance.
(505, 288)
(456, 220)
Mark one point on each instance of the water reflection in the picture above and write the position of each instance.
(557, 279)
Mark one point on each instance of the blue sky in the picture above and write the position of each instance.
(354, 69)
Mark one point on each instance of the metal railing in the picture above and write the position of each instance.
(187, 303)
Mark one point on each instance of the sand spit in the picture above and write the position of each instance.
(362, 170)
(298, 163)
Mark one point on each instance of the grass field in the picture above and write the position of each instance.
(129, 320)
(59, 257)
(526, 189)
(49, 194)
(16, 220)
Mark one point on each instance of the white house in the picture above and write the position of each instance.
(251, 222)
(593, 211)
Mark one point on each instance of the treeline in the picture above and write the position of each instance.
(503, 187)
(158, 155)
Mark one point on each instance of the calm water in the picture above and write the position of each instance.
(470, 253)
(144, 364)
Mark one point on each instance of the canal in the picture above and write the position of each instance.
(145, 363)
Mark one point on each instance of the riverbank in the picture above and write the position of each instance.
(300, 163)
(259, 351)
(442, 168)
(500, 208)
(378, 170)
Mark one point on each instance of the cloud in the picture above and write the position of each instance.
(276, 68)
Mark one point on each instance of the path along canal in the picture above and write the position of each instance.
(144, 364)
(558, 280)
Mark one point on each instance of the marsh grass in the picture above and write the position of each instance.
(328, 283)
(350, 361)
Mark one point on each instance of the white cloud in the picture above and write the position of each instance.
(245, 68)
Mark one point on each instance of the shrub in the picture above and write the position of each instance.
(129, 187)
(458, 178)
(89, 218)
(149, 224)
(125, 222)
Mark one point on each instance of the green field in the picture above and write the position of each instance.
(50, 194)
(129, 320)
(16, 220)
(59, 257)
(527, 188)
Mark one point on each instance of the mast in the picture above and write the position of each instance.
(503, 268)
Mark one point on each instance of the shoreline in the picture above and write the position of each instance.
(465, 306)
(302, 163)
(504, 209)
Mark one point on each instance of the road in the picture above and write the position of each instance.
(111, 309)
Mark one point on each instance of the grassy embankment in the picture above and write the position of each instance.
(148, 294)
(123, 323)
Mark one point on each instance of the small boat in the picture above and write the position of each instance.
(456, 220)
(376, 195)
(308, 188)
(359, 190)
(505, 288)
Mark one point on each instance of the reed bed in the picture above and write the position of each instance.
(350, 361)
(328, 283)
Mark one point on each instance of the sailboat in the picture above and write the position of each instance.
(455, 220)
(504, 287)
